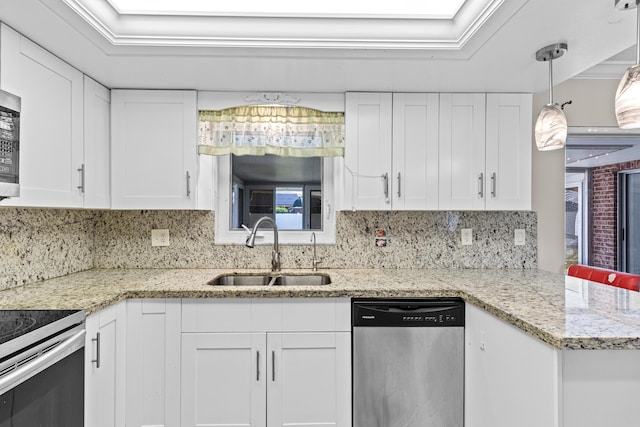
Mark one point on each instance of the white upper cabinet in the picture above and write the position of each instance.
(368, 159)
(508, 151)
(392, 151)
(415, 151)
(485, 151)
(462, 157)
(51, 128)
(95, 172)
(154, 149)
(428, 151)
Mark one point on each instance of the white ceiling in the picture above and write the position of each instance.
(489, 45)
(589, 151)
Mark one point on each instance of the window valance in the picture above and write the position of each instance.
(282, 131)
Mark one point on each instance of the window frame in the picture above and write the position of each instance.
(332, 173)
(222, 207)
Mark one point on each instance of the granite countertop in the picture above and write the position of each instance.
(565, 312)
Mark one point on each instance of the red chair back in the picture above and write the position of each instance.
(607, 277)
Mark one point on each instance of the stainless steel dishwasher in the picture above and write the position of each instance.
(408, 362)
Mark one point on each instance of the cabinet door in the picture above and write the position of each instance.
(153, 362)
(223, 380)
(462, 153)
(508, 152)
(511, 379)
(415, 151)
(104, 359)
(50, 123)
(368, 151)
(154, 143)
(308, 379)
(96, 185)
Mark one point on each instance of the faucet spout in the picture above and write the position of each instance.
(316, 260)
(275, 254)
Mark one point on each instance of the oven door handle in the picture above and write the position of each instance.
(67, 344)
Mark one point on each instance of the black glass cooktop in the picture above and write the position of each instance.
(17, 323)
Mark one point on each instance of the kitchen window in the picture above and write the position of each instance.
(287, 189)
(276, 161)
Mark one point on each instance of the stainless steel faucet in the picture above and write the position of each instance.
(275, 254)
(315, 260)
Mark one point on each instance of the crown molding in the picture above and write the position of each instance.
(181, 29)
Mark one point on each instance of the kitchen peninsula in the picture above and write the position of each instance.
(565, 344)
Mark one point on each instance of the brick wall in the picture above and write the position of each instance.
(604, 215)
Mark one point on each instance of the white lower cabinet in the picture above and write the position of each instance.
(308, 379)
(246, 376)
(224, 378)
(152, 373)
(511, 379)
(104, 359)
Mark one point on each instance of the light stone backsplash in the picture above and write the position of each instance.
(37, 244)
(415, 240)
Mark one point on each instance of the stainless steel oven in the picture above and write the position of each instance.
(42, 368)
(9, 145)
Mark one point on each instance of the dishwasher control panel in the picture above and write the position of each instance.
(438, 312)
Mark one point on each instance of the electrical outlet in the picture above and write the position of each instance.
(160, 237)
(467, 236)
(519, 236)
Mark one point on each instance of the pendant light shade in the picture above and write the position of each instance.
(551, 124)
(551, 128)
(628, 93)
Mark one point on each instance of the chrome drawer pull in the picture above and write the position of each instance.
(97, 341)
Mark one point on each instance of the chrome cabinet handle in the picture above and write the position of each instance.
(493, 185)
(188, 184)
(481, 185)
(273, 366)
(81, 186)
(97, 341)
(257, 366)
(385, 180)
(399, 184)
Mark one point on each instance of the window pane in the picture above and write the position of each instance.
(572, 225)
(287, 189)
(289, 210)
(315, 210)
(260, 204)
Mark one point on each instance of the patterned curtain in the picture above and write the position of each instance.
(282, 131)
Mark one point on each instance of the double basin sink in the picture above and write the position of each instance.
(271, 279)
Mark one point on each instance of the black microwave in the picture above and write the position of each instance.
(9, 145)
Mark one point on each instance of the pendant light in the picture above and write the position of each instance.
(628, 93)
(551, 124)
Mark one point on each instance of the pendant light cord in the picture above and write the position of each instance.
(637, 32)
(550, 81)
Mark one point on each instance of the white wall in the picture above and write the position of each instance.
(592, 105)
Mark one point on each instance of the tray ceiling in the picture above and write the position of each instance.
(333, 24)
(476, 46)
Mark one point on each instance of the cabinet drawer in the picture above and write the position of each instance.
(266, 314)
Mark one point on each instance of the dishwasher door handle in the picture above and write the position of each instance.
(409, 309)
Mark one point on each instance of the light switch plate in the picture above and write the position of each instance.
(467, 236)
(160, 237)
(519, 237)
